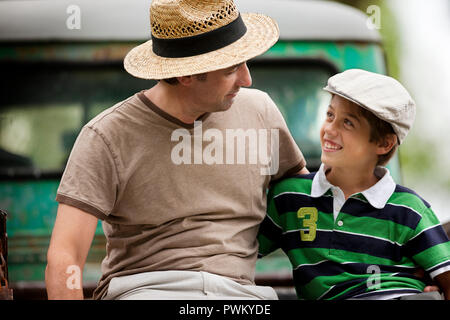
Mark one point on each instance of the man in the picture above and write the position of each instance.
(178, 173)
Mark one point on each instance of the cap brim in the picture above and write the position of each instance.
(332, 91)
(262, 33)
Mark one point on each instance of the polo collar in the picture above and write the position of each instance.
(377, 195)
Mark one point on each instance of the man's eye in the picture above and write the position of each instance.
(232, 69)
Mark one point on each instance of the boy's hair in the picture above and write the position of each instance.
(379, 129)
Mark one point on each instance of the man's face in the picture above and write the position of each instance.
(217, 89)
(344, 137)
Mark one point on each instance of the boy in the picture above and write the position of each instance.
(349, 231)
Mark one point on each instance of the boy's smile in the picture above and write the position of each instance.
(330, 146)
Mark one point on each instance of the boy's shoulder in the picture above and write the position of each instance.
(299, 183)
(408, 197)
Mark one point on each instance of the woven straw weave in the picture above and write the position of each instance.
(176, 19)
(172, 19)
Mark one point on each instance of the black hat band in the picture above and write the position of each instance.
(201, 43)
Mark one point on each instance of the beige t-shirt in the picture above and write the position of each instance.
(174, 196)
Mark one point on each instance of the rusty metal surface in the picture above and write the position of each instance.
(67, 52)
(3, 250)
(5, 291)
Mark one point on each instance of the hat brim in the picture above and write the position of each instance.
(262, 33)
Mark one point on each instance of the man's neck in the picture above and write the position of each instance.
(351, 180)
(173, 101)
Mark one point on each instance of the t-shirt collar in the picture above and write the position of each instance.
(377, 195)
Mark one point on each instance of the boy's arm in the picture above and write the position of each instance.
(430, 247)
(270, 230)
(443, 280)
(267, 238)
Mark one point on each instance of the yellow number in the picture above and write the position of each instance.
(310, 222)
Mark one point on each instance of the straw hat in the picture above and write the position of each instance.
(196, 36)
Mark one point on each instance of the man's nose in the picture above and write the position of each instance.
(244, 77)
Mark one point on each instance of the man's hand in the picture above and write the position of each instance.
(443, 280)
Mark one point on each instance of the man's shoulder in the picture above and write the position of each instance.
(256, 102)
(253, 92)
(251, 96)
(111, 115)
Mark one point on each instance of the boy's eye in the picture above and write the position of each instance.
(329, 115)
(348, 122)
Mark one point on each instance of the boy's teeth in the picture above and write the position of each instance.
(331, 146)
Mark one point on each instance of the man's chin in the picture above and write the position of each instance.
(226, 106)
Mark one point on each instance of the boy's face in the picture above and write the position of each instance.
(344, 137)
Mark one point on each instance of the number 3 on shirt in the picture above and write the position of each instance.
(309, 216)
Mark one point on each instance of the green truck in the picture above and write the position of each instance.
(62, 64)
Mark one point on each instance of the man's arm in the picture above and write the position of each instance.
(303, 171)
(443, 280)
(69, 245)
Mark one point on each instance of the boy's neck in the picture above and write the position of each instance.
(351, 181)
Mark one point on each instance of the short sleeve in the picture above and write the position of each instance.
(90, 180)
(429, 246)
(290, 158)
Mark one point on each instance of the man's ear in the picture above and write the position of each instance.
(387, 144)
(185, 80)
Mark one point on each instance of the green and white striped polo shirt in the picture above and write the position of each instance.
(372, 247)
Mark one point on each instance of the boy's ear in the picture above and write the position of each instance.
(387, 144)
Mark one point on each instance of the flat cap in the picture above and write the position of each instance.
(384, 96)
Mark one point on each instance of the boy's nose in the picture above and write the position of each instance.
(331, 128)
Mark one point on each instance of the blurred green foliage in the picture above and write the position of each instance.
(418, 154)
